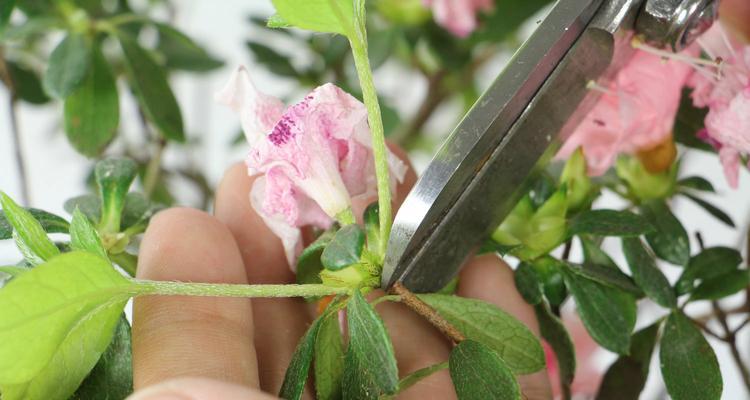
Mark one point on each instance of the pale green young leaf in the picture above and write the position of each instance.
(479, 373)
(370, 365)
(29, 233)
(329, 359)
(92, 111)
(76, 299)
(277, 21)
(688, 363)
(67, 66)
(493, 327)
(332, 16)
(83, 235)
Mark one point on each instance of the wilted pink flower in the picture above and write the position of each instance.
(635, 112)
(315, 157)
(725, 90)
(458, 16)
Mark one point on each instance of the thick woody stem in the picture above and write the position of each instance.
(427, 312)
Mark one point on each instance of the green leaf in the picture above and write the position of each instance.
(277, 63)
(646, 274)
(332, 16)
(67, 66)
(711, 209)
(370, 365)
(528, 283)
(28, 232)
(77, 301)
(83, 236)
(610, 223)
(688, 363)
(626, 377)
(112, 377)
(554, 332)
(89, 204)
(51, 223)
(593, 254)
(26, 84)
(114, 177)
(181, 52)
(697, 183)
(276, 21)
(607, 313)
(670, 240)
(371, 218)
(138, 211)
(344, 249)
(299, 367)
(308, 262)
(688, 122)
(92, 111)
(493, 327)
(329, 358)
(6, 8)
(149, 82)
(606, 276)
(479, 373)
(709, 263)
(722, 286)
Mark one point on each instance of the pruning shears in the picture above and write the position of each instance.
(483, 167)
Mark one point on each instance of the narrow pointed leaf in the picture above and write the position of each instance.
(493, 327)
(670, 240)
(712, 209)
(51, 223)
(479, 373)
(67, 66)
(626, 377)
(647, 274)
(688, 363)
(606, 276)
(554, 332)
(708, 264)
(83, 236)
(610, 223)
(29, 233)
(696, 183)
(528, 283)
(181, 52)
(722, 286)
(299, 367)
(329, 359)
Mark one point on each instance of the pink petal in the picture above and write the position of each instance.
(291, 237)
(730, 160)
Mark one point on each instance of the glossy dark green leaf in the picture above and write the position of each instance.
(114, 177)
(553, 283)
(554, 332)
(606, 276)
(92, 111)
(610, 223)
(709, 263)
(711, 209)
(299, 367)
(67, 67)
(722, 285)
(26, 84)
(344, 249)
(277, 63)
(488, 324)
(371, 218)
(181, 52)
(528, 283)
(688, 363)
(30, 236)
(626, 377)
(329, 359)
(607, 313)
(670, 240)
(83, 235)
(112, 377)
(89, 204)
(370, 365)
(308, 262)
(688, 122)
(593, 254)
(149, 82)
(479, 373)
(138, 210)
(51, 223)
(697, 183)
(647, 274)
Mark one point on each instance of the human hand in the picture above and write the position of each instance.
(232, 348)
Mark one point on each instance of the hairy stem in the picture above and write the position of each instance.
(171, 288)
(429, 313)
(370, 97)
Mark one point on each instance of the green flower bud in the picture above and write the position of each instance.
(403, 12)
(642, 184)
(577, 181)
(354, 276)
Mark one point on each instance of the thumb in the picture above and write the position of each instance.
(198, 389)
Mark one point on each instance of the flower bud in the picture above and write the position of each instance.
(576, 180)
(660, 157)
(642, 184)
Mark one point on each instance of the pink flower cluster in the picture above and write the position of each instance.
(458, 16)
(313, 158)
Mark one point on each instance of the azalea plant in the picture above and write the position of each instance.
(318, 160)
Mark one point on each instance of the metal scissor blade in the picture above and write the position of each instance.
(479, 173)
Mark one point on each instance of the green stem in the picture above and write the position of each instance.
(370, 97)
(346, 217)
(170, 288)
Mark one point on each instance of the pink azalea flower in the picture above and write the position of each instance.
(636, 112)
(458, 16)
(725, 90)
(314, 158)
